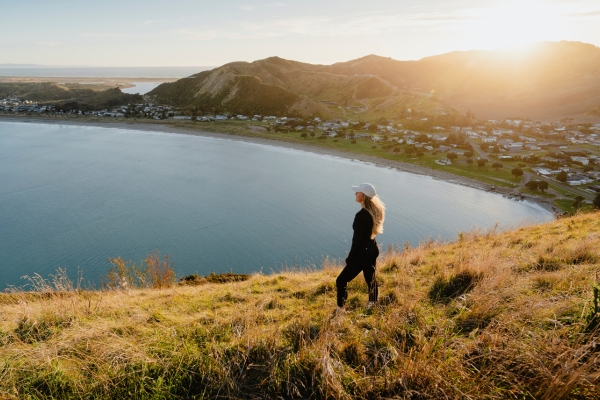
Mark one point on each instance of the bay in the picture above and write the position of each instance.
(141, 87)
(73, 196)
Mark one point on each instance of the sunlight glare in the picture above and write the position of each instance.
(516, 23)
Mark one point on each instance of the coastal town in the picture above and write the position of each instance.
(529, 156)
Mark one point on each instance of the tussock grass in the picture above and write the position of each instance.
(492, 315)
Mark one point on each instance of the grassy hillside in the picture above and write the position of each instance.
(239, 88)
(545, 80)
(492, 315)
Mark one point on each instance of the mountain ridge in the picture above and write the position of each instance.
(545, 80)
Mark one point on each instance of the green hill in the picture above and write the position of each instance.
(492, 315)
(545, 80)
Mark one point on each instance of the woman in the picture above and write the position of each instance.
(368, 223)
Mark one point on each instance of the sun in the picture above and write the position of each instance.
(515, 23)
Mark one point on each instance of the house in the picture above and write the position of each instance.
(443, 161)
(491, 139)
(458, 152)
(516, 146)
(582, 160)
(542, 171)
(594, 188)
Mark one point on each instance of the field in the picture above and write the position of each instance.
(493, 315)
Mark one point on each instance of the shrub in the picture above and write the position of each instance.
(160, 273)
(154, 272)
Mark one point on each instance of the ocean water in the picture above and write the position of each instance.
(141, 87)
(105, 72)
(72, 197)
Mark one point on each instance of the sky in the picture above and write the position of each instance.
(212, 33)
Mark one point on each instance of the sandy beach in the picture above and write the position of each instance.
(400, 166)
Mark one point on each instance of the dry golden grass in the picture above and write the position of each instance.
(492, 315)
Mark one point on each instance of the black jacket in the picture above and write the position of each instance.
(364, 249)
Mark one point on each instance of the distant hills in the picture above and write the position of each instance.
(87, 97)
(543, 81)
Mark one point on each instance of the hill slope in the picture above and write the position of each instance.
(492, 315)
(545, 80)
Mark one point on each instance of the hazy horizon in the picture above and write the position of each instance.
(187, 33)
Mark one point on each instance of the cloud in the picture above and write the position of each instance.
(147, 22)
(103, 35)
(321, 26)
(352, 26)
(49, 43)
(585, 14)
(195, 35)
(246, 8)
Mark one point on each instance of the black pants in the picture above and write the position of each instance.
(350, 272)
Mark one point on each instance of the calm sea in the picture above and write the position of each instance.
(141, 87)
(74, 196)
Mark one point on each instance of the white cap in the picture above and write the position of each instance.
(365, 188)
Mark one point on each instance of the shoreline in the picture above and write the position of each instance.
(398, 165)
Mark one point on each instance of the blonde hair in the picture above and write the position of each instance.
(376, 208)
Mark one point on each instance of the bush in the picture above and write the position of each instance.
(152, 272)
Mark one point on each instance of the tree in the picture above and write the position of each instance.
(469, 161)
(353, 141)
(497, 165)
(422, 138)
(481, 162)
(588, 168)
(312, 134)
(543, 185)
(533, 185)
(420, 154)
(303, 135)
(596, 201)
(452, 156)
(578, 202)
(469, 154)
(562, 176)
(517, 172)
(372, 128)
